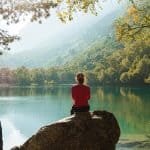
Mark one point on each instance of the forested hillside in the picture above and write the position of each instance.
(109, 61)
(105, 62)
(124, 58)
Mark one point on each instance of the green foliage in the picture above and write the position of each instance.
(22, 76)
(128, 65)
(94, 54)
(36, 77)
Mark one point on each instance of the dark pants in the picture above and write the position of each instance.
(79, 109)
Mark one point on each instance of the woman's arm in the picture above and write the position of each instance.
(88, 93)
(73, 93)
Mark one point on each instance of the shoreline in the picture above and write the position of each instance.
(64, 84)
(133, 144)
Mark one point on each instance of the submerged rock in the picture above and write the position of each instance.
(83, 131)
(1, 141)
(134, 144)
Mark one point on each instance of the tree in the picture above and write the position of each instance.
(135, 23)
(6, 76)
(22, 76)
(13, 11)
(37, 76)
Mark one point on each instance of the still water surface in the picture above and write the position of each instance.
(24, 110)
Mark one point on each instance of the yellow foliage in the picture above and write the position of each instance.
(132, 11)
(136, 18)
(68, 1)
(58, 1)
(86, 3)
(125, 62)
(130, 32)
(63, 16)
(127, 19)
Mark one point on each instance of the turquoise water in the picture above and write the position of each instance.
(24, 110)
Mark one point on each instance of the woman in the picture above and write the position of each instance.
(80, 95)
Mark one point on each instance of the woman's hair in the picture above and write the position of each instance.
(80, 78)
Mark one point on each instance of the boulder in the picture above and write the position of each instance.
(1, 141)
(98, 130)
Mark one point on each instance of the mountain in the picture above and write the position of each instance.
(55, 49)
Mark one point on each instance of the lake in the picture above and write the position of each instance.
(24, 110)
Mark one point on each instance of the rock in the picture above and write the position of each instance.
(1, 141)
(83, 131)
(134, 144)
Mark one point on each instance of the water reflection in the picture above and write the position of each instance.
(12, 136)
(27, 91)
(24, 110)
(130, 106)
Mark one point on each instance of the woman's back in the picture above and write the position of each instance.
(80, 94)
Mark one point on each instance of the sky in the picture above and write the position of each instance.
(52, 26)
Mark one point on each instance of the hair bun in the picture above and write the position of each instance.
(80, 75)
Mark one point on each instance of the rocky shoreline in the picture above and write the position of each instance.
(134, 144)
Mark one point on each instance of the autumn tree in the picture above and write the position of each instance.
(135, 23)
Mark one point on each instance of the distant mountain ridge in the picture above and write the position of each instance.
(63, 48)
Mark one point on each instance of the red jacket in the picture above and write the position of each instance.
(80, 95)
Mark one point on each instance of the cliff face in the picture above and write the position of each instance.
(1, 141)
(84, 131)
